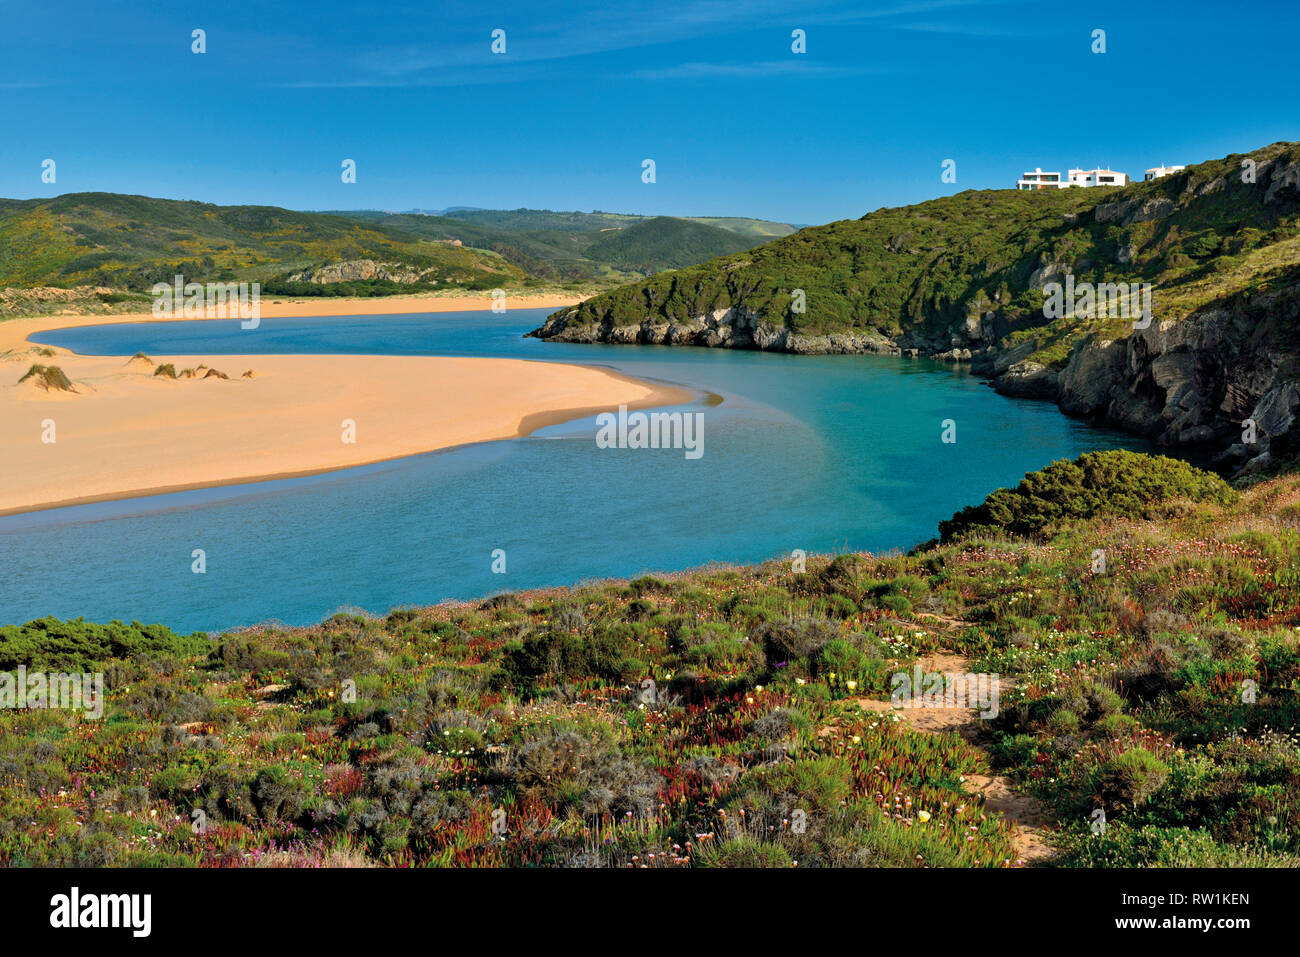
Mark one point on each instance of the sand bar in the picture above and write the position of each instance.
(126, 431)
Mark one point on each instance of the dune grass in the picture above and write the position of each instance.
(50, 378)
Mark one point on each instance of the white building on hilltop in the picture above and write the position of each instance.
(1037, 179)
(1159, 171)
(1097, 177)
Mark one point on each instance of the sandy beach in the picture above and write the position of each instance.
(125, 431)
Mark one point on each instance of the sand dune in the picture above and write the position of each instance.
(126, 431)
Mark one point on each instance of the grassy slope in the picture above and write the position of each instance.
(132, 242)
(1123, 689)
(922, 268)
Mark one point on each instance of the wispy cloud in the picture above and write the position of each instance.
(591, 29)
(771, 68)
(971, 29)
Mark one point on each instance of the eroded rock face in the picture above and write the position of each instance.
(1090, 376)
(1198, 382)
(1282, 177)
(1137, 210)
(1029, 380)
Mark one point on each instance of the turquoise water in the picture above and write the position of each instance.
(819, 453)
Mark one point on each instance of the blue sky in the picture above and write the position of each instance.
(736, 123)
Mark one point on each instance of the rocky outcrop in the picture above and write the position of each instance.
(730, 328)
(1029, 380)
(1137, 210)
(359, 270)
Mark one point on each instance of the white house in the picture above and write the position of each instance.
(1037, 179)
(1159, 171)
(1097, 177)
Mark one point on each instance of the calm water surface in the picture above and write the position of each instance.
(820, 453)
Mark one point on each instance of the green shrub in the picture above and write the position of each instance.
(278, 795)
(794, 640)
(55, 644)
(1131, 778)
(744, 852)
(1115, 482)
(563, 655)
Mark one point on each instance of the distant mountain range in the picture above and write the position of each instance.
(436, 212)
(567, 246)
(130, 242)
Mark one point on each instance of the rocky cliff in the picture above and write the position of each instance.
(1225, 380)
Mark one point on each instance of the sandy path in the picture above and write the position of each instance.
(1030, 837)
(1032, 823)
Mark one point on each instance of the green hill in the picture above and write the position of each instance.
(543, 219)
(131, 242)
(962, 278)
(918, 269)
(664, 243)
(757, 228)
(111, 248)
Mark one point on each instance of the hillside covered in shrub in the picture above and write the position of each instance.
(595, 247)
(729, 716)
(132, 242)
(922, 274)
(121, 245)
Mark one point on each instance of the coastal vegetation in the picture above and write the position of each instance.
(728, 716)
(1114, 482)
